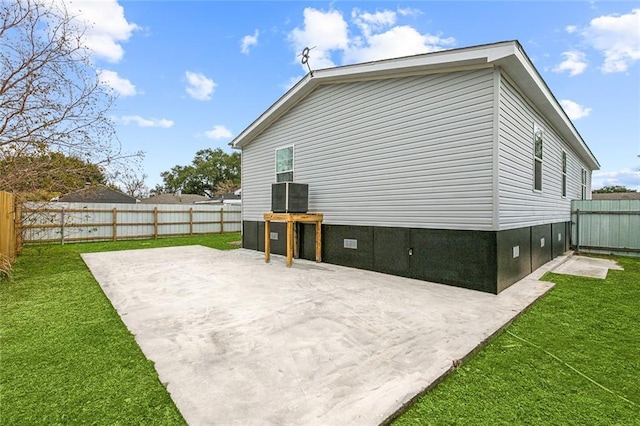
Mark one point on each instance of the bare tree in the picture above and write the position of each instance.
(51, 99)
(132, 183)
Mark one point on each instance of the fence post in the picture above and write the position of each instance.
(222, 220)
(62, 226)
(191, 221)
(115, 224)
(155, 223)
(18, 225)
(578, 230)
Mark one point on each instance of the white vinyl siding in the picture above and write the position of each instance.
(405, 152)
(519, 206)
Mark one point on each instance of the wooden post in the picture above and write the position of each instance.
(296, 227)
(62, 226)
(291, 220)
(221, 220)
(267, 240)
(191, 221)
(115, 225)
(289, 241)
(155, 223)
(18, 226)
(319, 241)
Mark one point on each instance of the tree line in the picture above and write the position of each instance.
(55, 131)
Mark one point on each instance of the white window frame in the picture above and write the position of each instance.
(583, 195)
(279, 173)
(537, 130)
(563, 169)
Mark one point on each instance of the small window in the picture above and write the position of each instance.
(284, 164)
(564, 174)
(584, 185)
(537, 158)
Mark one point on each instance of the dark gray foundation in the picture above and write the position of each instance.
(488, 261)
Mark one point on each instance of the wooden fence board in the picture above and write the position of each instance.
(68, 222)
(9, 245)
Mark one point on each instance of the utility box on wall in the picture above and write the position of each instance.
(289, 197)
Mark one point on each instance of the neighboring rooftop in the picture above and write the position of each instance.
(97, 194)
(176, 199)
(615, 195)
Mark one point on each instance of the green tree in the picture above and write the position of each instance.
(44, 176)
(51, 99)
(209, 170)
(613, 189)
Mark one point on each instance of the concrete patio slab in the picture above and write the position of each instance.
(240, 342)
(587, 267)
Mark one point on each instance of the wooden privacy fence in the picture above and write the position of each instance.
(73, 222)
(9, 243)
(606, 226)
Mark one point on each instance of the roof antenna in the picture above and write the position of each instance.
(305, 58)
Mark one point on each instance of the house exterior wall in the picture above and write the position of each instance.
(431, 176)
(519, 204)
(402, 152)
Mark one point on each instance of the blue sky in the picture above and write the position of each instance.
(192, 75)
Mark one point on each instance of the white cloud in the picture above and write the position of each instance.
(106, 26)
(373, 21)
(408, 11)
(218, 132)
(616, 36)
(248, 41)
(121, 85)
(368, 36)
(326, 31)
(574, 62)
(145, 122)
(624, 177)
(571, 29)
(397, 41)
(574, 110)
(199, 86)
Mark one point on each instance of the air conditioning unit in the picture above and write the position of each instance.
(289, 197)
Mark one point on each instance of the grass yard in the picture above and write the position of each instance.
(571, 359)
(66, 357)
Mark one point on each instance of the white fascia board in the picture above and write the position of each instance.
(387, 68)
(508, 55)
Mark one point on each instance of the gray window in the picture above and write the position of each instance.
(537, 158)
(584, 185)
(284, 164)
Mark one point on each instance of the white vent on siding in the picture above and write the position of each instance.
(350, 244)
(274, 236)
(516, 251)
(542, 242)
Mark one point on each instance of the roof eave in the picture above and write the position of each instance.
(469, 56)
(508, 55)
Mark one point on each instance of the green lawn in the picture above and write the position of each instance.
(571, 359)
(67, 358)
